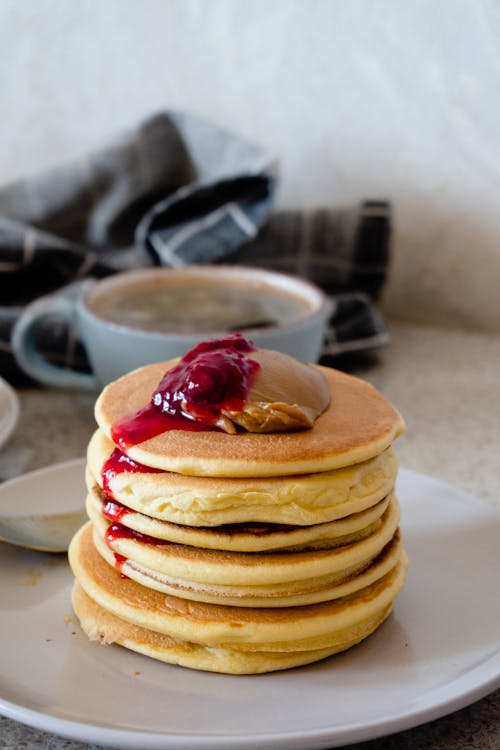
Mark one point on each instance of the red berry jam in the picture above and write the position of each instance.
(118, 463)
(215, 375)
(147, 423)
(118, 531)
(119, 561)
(115, 511)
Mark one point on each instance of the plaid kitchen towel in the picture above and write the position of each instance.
(174, 191)
(346, 252)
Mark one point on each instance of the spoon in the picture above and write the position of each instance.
(42, 510)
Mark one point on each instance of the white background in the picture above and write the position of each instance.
(358, 98)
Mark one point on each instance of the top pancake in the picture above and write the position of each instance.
(358, 424)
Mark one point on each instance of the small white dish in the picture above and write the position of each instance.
(437, 652)
(37, 515)
(9, 410)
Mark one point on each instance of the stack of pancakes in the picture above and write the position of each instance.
(242, 553)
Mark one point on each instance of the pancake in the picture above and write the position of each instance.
(247, 569)
(358, 424)
(212, 501)
(242, 537)
(328, 625)
(100, 625)
(288, 594)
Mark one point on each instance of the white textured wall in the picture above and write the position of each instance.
(395, 98)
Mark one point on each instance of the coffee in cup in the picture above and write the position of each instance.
(198, 302)
(149, 315)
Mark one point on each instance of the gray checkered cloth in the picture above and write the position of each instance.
(176, 191)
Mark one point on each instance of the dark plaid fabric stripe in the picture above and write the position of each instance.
(346, 252)
(341, 250)
(177, 191)
(229, 214)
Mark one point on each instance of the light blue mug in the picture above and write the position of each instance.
(101, 316)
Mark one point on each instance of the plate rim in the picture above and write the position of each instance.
(143, 740)
(485, 681)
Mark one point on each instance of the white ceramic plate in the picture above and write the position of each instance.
(439, 651)
(9, 410)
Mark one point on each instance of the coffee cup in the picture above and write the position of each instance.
(150, 315)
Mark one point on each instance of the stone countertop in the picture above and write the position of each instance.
(446, 385)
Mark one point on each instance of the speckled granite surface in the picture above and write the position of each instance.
(445, 383)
